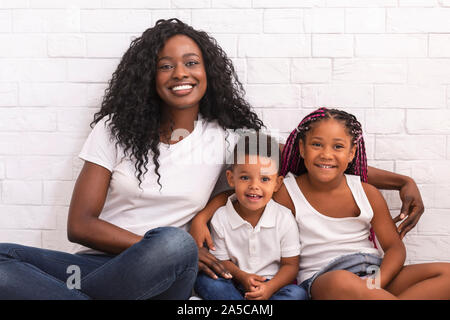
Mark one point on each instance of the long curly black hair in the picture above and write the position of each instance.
(134, 108)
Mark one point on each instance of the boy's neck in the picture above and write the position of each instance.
(251, 216)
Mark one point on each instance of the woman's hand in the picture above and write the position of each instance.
(412, 207)
(207, 262)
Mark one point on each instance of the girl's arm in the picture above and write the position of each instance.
(83, 225)
(389, 239)
(412, 205)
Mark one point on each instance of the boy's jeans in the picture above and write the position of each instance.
(163, 265)
(224, 289)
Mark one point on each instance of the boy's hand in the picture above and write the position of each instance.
(251, 281)
(262, 291)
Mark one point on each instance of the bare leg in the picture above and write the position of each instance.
(422, 281)
(341, 284)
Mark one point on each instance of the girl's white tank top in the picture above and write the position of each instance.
(324, 238)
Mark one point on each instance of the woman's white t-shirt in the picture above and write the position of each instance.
(189, 171)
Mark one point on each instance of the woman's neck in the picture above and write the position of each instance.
(182, 120)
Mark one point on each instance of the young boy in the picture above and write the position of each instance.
(256, 239)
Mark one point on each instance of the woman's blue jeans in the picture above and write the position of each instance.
(163, 265)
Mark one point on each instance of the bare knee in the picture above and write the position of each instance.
(339, 284)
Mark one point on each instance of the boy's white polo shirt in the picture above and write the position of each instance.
(255, 250)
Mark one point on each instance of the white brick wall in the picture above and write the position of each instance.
(387, 61)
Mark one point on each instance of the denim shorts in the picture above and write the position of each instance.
(357, 263)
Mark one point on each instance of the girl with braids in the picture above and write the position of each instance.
(136, 192)
(325, 169)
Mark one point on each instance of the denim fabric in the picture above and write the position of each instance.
(357, 263)
(163, 265)
(225, 289)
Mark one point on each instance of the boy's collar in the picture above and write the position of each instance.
(267, 219)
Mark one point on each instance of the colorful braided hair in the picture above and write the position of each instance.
(291, 161)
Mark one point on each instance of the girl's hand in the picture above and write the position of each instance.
(412, 207)
(251, 281)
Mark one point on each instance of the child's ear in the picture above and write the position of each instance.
(230, 178)
(301, 146)
(279, 183)
(352, 153)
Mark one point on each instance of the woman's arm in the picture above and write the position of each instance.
(389, 239)
(412, 204)
(83, 225)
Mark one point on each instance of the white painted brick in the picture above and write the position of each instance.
(283, 21)
(338, 96)
(240, 67)
(385, 121)
(386, 46)
(53, 94)
(332, 45)
(5, 21)
(383, 165)
(428, 121)
(362, 3)
(10, 143)
(32, 238)
(2, 171)
(32, 70)
(428, 248)
(22, 192)
(107, 45)
(136, 4)
(287, 3)
(434, 223)
(282, 120)
(90, 70)
(231, 3)
(51, 143)
(393, 201)
(23, 46)
(13, 4)
(439, 45)
(271, 45)
(228, 43)
(95, 93)
(77, 165)
(370, 70)
(442, 200)
(58, 4)
(445, 3)
(8, 94)
(268, 70)
(369, 140)
(417, 3)
(418, 20)
(309, 70)
(58, 192)
(410, 96)
(46, 20)
(191, 3)
(39, 168)
(425, 171)
(425, 71)
(410, 147)
(228, 20)
(365, 20)
(326, 20)
(17, 119)
(271, 96)
(116, 20)
(27, 217)
(66, 46)
(181, 14)
(75, 119)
